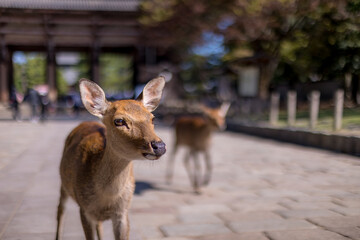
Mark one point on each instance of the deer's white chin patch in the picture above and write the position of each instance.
(150, 156)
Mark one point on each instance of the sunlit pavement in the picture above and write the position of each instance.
(261, 189)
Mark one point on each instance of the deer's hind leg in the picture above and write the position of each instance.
(208, 168)
(197, 172)
(170, 165)
(187, 165)
(60, 213)
(99, 230)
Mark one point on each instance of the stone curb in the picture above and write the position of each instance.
(333, 142)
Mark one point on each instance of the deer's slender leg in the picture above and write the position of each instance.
(99, 230)
(88, 226)
(60, 213)
(197, 172)
(188, 167)
(208, 168)
(170, 165)
(121, 226)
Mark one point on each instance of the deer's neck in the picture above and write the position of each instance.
(115, 174)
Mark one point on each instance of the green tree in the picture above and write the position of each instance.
(273, 28)
(116, 72)
(176, 25)
(30, 73)
(61, 83)
(325, 48)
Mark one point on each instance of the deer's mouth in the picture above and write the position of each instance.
(151, 156)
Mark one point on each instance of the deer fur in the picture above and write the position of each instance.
(96, 168)
(194, 132)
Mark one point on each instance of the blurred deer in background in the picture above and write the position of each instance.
(96, 168)
(194, 132)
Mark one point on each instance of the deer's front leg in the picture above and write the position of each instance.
(121, 226)
(88, 226)
(188, 167)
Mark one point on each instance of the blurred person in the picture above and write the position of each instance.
(44, 100)
(15, 100)
(33, 98)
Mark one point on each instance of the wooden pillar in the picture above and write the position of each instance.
(95, 55)
(135, 67)
(291, 107)
(51, 69)
(314, 108)
(338, 111)
(4, 70)
(274, 108)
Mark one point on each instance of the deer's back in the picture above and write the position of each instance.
(83, 151)
(193, 132)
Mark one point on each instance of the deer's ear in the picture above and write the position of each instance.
(224, 109)
(93, 97)
(151, 95)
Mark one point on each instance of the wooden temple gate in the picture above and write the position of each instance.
(78, 26)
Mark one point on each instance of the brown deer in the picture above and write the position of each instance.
(194, 132)
(96, 168)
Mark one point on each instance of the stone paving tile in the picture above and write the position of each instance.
(260, 205)
(199, 218)
(171, 238)
(307, 213)
(269, 225)
(32, 222)
(348, 203)
(346, 211)
(155, 210)
(33, 236)
(312, 234)
(351, 232)
(192, 230)
(281, 193)
(149, 232)
(248, 216)
(241, 236)
(310, 205)
(39, 203)
(312, 198)
(205, 199)
(13, 182)
(150, 219)
(7, 209)
(347, 196)
(337, 222)
(208, 208)
(258, 178)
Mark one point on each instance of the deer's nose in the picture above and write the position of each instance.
(158, 147)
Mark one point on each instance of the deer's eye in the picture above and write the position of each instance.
(152, 120)
(120, 122)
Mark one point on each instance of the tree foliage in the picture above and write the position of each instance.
(115, 72)
(32, 72)
(295, 40)
(177, 24)
(326, 47)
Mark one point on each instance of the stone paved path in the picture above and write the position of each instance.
(261, 190)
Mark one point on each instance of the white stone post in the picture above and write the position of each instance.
(314, 108)
(338, 111)
(274, 108)
(291, 107)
